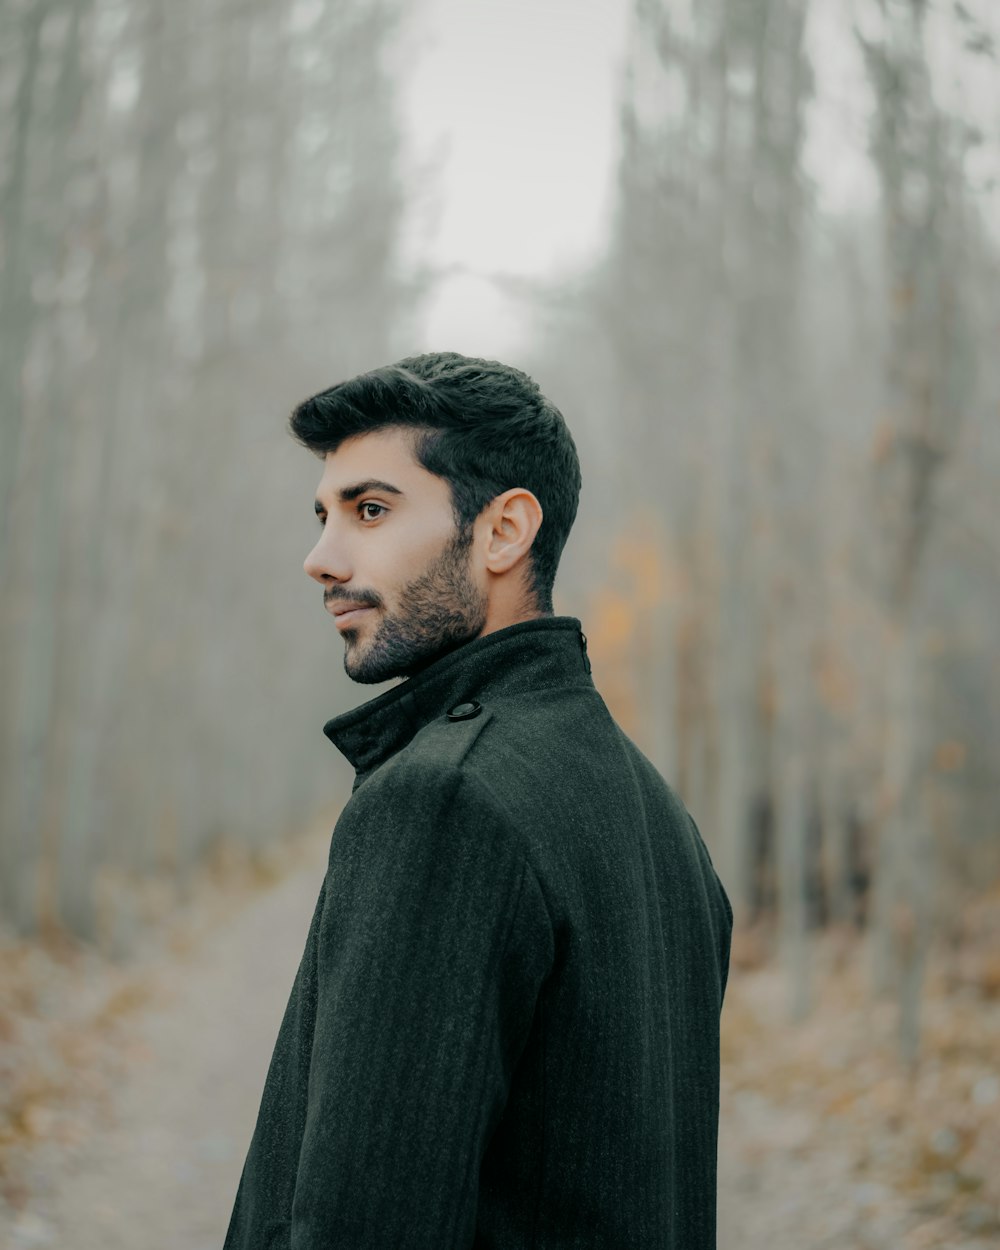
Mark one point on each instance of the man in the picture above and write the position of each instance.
(504, 1031)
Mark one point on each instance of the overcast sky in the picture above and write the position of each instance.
(514, 106)
(519, 101)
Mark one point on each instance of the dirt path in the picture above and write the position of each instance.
(816, 1148)
(160, 1172)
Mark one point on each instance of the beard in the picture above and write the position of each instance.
(438, 611)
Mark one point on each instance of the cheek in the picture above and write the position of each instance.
(419, 543)
(404, 557)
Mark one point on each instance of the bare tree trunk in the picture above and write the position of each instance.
(926, 393)
(793, 761)
(16, 307)
(17, 316)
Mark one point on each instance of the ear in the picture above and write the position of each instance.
(514, 518)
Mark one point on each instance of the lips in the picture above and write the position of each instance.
(350, 615)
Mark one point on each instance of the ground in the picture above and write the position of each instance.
(130, 1090)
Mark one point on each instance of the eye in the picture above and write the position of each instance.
(369, 504)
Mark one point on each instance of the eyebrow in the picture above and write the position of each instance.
(348, 493)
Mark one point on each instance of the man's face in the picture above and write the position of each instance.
(394, 551)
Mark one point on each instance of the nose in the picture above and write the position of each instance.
(319, 564)
(312, 566)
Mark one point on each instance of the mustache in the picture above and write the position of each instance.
(328, 600)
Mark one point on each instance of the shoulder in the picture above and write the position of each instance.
(446, 743)
(431, 791)
(514, 747)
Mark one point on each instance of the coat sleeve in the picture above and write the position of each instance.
(433, 945)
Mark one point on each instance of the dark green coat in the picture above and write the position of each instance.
(504, 1031)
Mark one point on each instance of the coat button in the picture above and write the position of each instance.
(465, 711)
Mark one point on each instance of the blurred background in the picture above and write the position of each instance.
(751, 250)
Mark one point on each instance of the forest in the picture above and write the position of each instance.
(780, 370)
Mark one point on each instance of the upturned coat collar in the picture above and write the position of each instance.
(529, 655)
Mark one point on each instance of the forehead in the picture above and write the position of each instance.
(379, 451)
(384, 454)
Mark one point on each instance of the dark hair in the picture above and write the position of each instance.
(482, 426)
